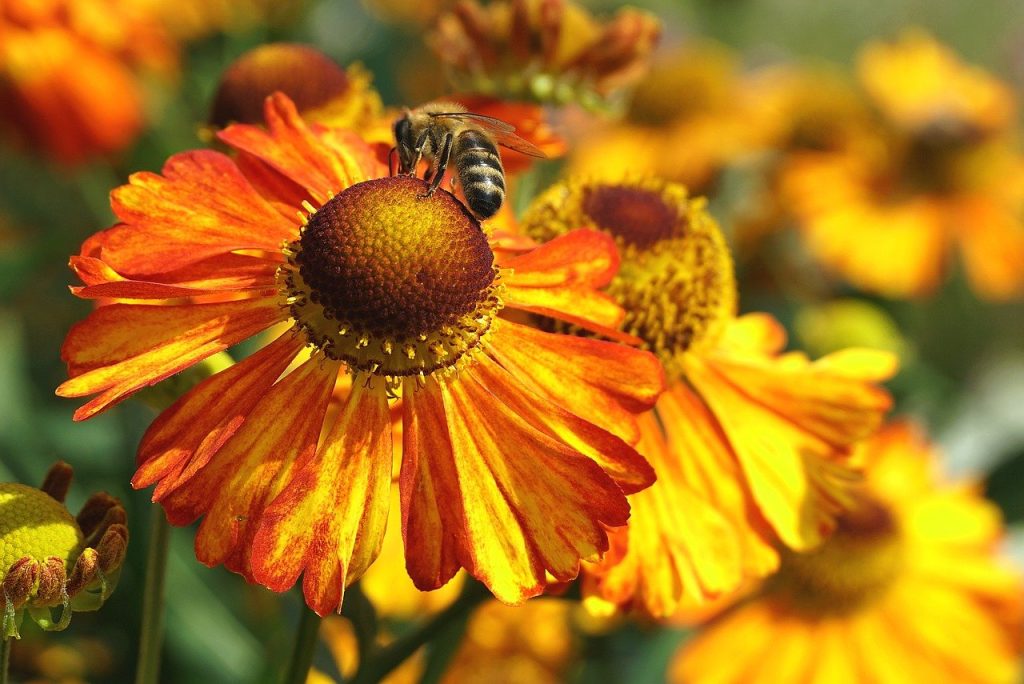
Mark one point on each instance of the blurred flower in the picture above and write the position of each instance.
(69, 80)
(500, 473)
(414, 13)
(322, 91)
(909, 588)
(531, 643)
(40, 540)
(685, 122)
(942, 169)
(550, 51)
(192, 19)
(831, 326)
(751, 446)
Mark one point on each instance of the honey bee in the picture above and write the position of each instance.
(444, 131)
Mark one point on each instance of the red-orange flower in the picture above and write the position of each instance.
(751, 445)
(500, 473)
(68, 78)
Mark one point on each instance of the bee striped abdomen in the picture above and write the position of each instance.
(480, 172)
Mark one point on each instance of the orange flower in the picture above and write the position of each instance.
(943, 170)
(908, 589)
(751, 446)
(500, 473)
(550, 51)
(321, 90)
(68, 74)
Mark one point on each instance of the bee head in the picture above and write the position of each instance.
(405, 142)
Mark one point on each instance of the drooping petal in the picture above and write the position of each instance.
(798, 480)
(606, 383)
(680, 549)
(293, 150)
(279, 435)
(201, 206)
(621, 461)
(329, 519)
(517, 504)
(186, 435)
(121, 348)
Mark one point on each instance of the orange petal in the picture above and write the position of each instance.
(602, 382)
(103, 282)
(757, 333)
(329, 519)
(293, 150)
(201, 206)
(584, 257)
(680, 549)
(526, 504)
(121, 348)
(232, 490)
(992, 240)
(619, 460)
(184, 437)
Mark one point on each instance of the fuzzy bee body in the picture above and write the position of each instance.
(443, 132)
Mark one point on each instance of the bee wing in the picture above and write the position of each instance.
(504, 133)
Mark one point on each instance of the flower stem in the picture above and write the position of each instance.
(5, 659)
(381, 663)
(305, 647)
(151, 633)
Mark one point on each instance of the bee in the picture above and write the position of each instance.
(445, 131)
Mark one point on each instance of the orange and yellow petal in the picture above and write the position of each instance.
(328, 521)
(200, 207)
(515, 519)
(250, 469)
(606, 384)
(121, 348)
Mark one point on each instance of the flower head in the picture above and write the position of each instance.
(940, 170)
(321, 90)
(543, 50)
(69, 74)
(751, 446)
(49, 559)
(514, 457)
(909, 587)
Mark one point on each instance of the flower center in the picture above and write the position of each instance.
(857, 564)
(676, 279)
(33, 524)
(392, 282)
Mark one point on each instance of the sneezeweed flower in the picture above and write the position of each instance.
(751, 446)
(547, 51)
(322, 91)
(50, 560)
(70, 75)
(909, 588)
(686, 122)
(942, 170)
(515, 453)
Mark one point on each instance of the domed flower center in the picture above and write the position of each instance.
(390, 281)
(34, 524)
(676, 279)
(857, 564)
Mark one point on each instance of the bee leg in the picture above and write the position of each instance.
(442, 165)
(421, 142)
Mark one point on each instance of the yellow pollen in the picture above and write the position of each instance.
(856, 565)
(382, 267)
(676, 279)
(33, 524)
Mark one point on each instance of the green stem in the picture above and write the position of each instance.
(151, 633)
(381, 663)
(305, 647)
(5, 659)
